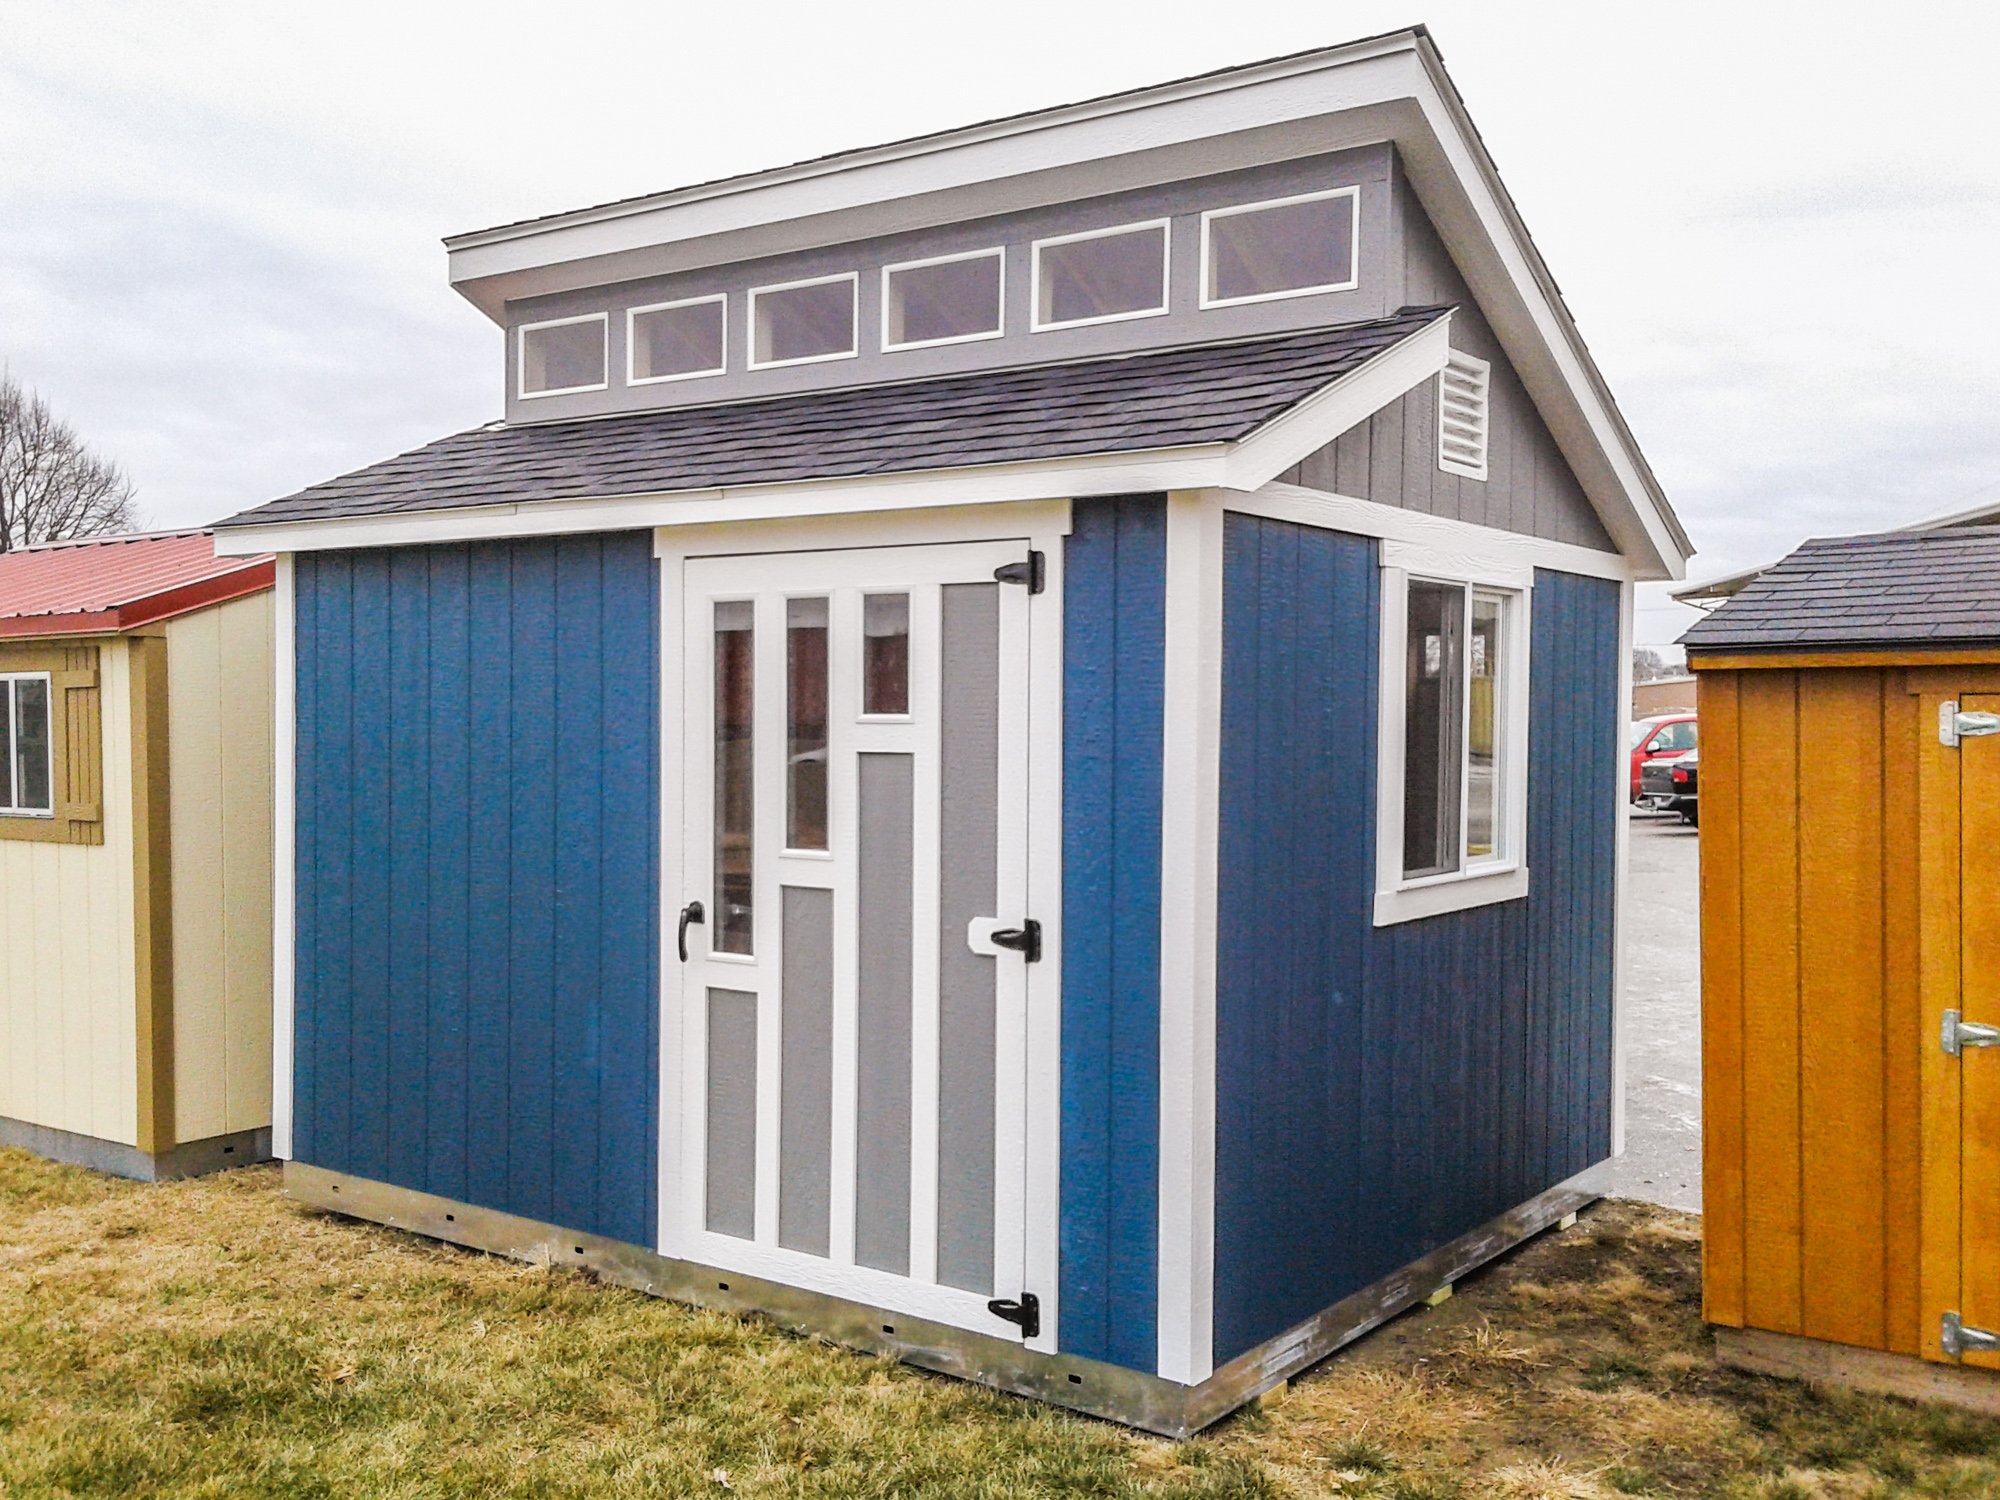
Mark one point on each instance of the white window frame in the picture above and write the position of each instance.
(1166, 228)
(1482, 371)
(853, 349)
(521, 357)
(632, 316)
(1352, 194)
(999, 328)
(1504, 875)
(9, 809)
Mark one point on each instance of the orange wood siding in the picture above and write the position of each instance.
(1810, 1034)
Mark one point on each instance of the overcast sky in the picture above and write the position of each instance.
(219, 222)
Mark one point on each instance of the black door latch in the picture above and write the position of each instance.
(1025, 940)
(1033, 573)
(692, 912)
(1027, 1312)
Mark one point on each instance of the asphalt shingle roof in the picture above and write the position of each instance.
(1171, 398)
(1900, 588)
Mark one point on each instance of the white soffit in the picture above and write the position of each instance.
(1391, 88)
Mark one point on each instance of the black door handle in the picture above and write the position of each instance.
(692, 912)
(1025, 940)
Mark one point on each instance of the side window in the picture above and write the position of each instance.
(51, 772)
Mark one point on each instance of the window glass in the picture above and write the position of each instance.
(1107, 276)
(814, 321)
(671, 343)
(735, 773)
(1433, 728)
(25, 736)
(805, 728)
(1484, 705)
(953, 299)
(562, 356)
(1281, 250)
(885, 646)
(6, 745)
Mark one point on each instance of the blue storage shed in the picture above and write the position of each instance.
(1011, 754)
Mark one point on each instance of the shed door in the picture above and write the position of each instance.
(1976, 1063)
(853, 1031)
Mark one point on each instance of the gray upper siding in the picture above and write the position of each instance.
(1392, 457)
(1378, 293)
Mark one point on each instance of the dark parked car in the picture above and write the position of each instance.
(1673, 785)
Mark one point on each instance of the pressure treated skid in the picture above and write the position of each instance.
(1085, 1385)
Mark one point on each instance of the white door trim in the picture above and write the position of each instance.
(1043, 526)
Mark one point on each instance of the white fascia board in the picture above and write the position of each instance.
(1345, 404)
(1461, 190)
(1325, 82)
(1199, 467)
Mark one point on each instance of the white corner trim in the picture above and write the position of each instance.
(284, 845)
(1441, 536)
(1190, 780)
(1621, 916)
(1346, 403)
(1459, 893)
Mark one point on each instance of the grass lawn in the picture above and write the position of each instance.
(210, 1339)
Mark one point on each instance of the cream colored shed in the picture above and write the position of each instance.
(135, 854)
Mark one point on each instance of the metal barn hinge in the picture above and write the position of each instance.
(1025, 940)
(1033, 572)
(1954, 726)
(1957, 1034)
(1027, 1313)
(1956, 1339)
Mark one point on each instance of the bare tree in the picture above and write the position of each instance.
(52, 487)
(1649, 665)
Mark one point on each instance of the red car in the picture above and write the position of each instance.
(1661, 735)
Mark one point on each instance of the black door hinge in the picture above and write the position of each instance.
(1025, 940)
(1033, 573)
(1027, 1312)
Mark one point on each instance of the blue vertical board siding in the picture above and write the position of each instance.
(1114, 664)
(478, 874)
(1381, 1091)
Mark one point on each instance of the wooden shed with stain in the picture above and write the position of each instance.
(135, 854)
(1850, 892)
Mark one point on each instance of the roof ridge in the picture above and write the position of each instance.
(114, 538)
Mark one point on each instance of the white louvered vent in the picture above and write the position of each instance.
(1463, 415)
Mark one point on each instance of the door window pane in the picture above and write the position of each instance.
(672, 343)
(885, 659)
(735, 773)
(7, 745)
(1280, 250)
(1433, 728)
(805, 724)
(1482, 737)
(1119, 275)
(951, 299)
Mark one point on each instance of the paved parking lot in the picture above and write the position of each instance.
(1662, 1160)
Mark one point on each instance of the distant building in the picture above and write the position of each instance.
(1663, 695)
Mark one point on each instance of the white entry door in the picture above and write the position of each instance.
(853, 912)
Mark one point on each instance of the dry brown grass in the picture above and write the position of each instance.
(210, 1339)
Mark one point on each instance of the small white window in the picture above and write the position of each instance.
(563, 355)
(1463, 388)
(950, 300)
(676, 340)
(1452, 754)
(1287, 247)
(801, 322)
(27, 781)
(1101, 276)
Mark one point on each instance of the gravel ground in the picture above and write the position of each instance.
(1662, 1160)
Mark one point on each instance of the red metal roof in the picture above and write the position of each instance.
(120, 583)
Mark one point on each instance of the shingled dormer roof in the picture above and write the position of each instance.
(1896, 589)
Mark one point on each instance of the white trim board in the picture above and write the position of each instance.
(1246, 464)
(1190, 840)
(284, 858)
